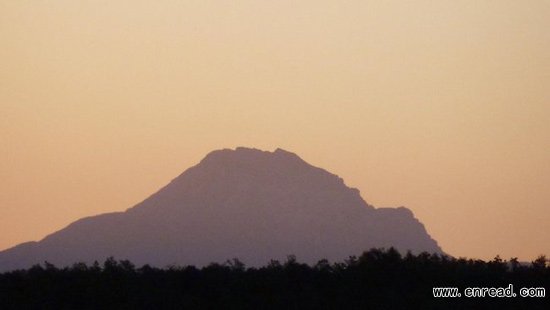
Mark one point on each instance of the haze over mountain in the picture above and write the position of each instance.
(244, 203)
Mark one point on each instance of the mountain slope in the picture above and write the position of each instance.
(243, 203)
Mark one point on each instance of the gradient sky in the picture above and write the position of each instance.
(441, 106)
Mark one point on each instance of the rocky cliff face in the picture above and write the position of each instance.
(243, 203)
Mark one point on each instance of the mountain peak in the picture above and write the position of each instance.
(242, 151)
(242, 159)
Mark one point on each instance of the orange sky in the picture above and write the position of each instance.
(441, 106)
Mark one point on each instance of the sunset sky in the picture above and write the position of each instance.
(440, 106)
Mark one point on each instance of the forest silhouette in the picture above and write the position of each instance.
(377, 279)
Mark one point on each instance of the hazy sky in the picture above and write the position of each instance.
(441, 106)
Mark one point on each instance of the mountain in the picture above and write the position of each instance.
(244, 203)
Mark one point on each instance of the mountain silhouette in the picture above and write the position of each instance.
(244, 203)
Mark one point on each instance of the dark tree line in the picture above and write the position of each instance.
(377, 279)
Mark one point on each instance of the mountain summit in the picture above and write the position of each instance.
(244, 203)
